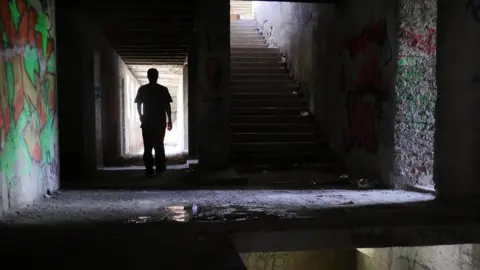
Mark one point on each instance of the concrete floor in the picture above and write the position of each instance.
(120, 219)
(199, 205)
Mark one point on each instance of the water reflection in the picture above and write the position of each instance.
(182, 213)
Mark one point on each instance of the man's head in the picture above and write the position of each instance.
(152, 75)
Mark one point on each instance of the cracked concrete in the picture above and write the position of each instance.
(74, 206)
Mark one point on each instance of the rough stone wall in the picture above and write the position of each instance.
(29, 159)
(363, 130)
(455, 257)
(416, 92)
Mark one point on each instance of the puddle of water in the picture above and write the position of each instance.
(196, 213)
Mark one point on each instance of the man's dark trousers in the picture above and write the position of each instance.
(153, 139)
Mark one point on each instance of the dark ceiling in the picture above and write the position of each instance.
(146, 32)
(150, 32)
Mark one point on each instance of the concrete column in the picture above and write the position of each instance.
(416, 93)
(192, 100)
(213, 71)
(458, 70)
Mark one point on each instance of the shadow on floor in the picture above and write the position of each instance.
(183, 177)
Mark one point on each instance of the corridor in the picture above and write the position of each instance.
(297, 126)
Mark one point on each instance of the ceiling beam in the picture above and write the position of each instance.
(154, 62)
(159, 38)
(121, 44)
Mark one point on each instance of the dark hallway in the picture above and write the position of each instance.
(306, 134)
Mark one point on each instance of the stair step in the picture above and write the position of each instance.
(274, 137)
(266, 97)
(260, 77)
(294, 102)
(268, 111)
(235, 45)
(242, 21)
(255, 71)
(249, 37)
(245, 34)
(248, 43)
(251, 65)
(269, 119)
(274, 148)
(254, 50)
(272, 127)
(284, 161)
(273, 53)
(281, 89)
(255, 59)
(264, 83)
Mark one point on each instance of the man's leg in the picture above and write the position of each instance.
(147, 150)
(160, 160)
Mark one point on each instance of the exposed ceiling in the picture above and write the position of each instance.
(146, 32)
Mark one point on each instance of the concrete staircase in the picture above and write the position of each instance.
(268, 127)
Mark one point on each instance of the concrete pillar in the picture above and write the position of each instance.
(192, 100)
(458, 70)
(416, 93)
(213, 71)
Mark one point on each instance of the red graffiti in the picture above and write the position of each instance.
(25, 34)
(361, 126)
(364, 100)
(425, 43)
(370, 73)
(213, 72)
(375, 33)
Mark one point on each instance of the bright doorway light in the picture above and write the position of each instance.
(170, 76)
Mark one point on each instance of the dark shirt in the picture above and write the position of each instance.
(155, 99)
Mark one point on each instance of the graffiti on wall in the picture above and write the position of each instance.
(473, 6)
(27, 89)
(423, 43)
(371, 52)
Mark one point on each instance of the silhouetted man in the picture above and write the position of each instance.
(156, 100)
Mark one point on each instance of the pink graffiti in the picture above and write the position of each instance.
(375, 33)
(425, 43)
(361, 131)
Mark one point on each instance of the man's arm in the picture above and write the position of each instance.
(139, 110)
(168, 109)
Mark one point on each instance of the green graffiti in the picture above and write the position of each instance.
(32, 64)
(410, 88)
(15, 13)
(27, 113)
(42, 27)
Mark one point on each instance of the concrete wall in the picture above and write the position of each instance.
(344, 61)
(29, 155)
(455, 257)
(457, 129)
(78, 42)
(416, 91)
(301, 32)
(300, 260)
(368, 51)
(211, 62)
(132, 133)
